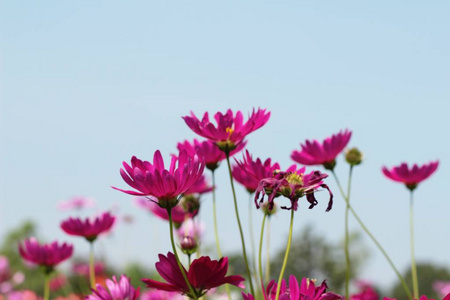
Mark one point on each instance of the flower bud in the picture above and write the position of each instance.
(191, 204)
(188, 245)
(267, 211)
(353, 156)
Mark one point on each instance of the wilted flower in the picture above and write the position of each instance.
(230, 130)
(292, 184)
(154, 180)
(411, 177)
(87, 228)
(209, 150)
(117, 290)
(315, 153)
(249, 172)
(46, 255)
(203, 274)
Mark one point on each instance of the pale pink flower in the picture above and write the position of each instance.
(117, 290)
(77, 202)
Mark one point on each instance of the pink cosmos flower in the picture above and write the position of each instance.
(179, 215)
(77, 202)
(305, 291)
(249, 172)
(423, 297)
(366, 292)
(46, 255)
(83, 268)
(23, 295)
(230, 130)
(292, 184)
(152, 179)
(161, 295)
(315, 153)
(118, 290)
(199, 187)
(203, 274)
(209, 150)
(87, 228)
(441, 287)
(411, 177)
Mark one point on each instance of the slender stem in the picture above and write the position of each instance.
(413, 259)
(239, 225)
(268, 251)
(189, 259)
(216, 233)
(347, 239)
(286, 255)
(47, 286)
(252, 237)
(372, 237)
(191, 290)
(260, 253)
(92, 265)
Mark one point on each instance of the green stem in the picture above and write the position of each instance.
(252, 238)
(189, 259)
(191, 290)
(92, 265)
(413, 259)
(216, 233)
(268, 251)
(286, 255)
(47, 286)
(347, 239)
(372, 237)
(260, 253)
(239, 224)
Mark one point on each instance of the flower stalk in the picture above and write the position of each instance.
(92, 265)
(244, 252)
(47, 286)
(260, 253)
(286, 255)
(413, 258)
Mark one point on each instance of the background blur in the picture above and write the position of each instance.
(86, 85)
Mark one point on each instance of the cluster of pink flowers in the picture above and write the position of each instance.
(173, 193)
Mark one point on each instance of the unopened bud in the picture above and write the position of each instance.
(188, 245)
(353, 156)
(191, 204)
(267, 211)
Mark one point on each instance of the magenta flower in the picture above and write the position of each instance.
(179, 215)
(203, 274)
(77, 202)
(46, 255)
(200, 186)
(249, 172)
(411, 177)
(305, 291)
(230, 130)
(209, 150)
(366, 292)
(83, 268)
(315, 153)
(423, 297)
(87, 228)
(154, 180)
(292, 184)
(117, 290)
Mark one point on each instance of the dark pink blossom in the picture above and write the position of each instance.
(88, 228)
(411, 177)
(209, 150)
(423, 297)
(366, 292)
(292, 184)
(249, 172)
(229, 130)
(179, 215)
(153, 179)
(199, 187)
(316, 153)
(117, 290)
(203, 275)
(46, 255)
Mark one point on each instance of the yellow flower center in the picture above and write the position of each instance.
(295, 178)
(229, 130)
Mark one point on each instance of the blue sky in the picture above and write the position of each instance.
(85, 85)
